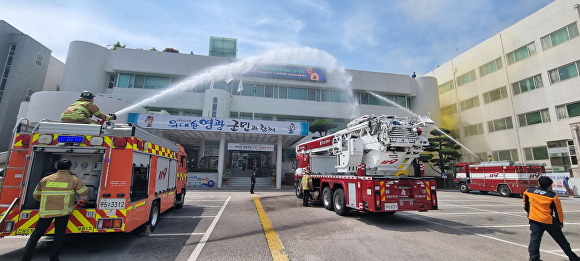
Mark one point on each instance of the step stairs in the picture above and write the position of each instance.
(243, 182)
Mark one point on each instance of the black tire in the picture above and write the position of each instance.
(504, 191)
(153, 216)
(298, 189)
(484, 192)
(463, 187)
(339, 202)
(179, 200)
(327, 195)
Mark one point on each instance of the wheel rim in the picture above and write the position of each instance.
(338, 199)
(154, 216)
(326, 198)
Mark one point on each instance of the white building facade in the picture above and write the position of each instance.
(514, 95)
(275, 101)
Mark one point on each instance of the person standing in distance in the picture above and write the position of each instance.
(253, 182)
(307, 186)
(56, 194)
(83, 109)
(545, 214)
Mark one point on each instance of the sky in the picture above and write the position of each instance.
(389, 36)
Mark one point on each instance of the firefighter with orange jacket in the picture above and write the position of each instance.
(83, 109)
(56, 194)
(545, 214)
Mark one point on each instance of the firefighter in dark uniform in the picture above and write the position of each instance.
(545, 214)
(83, 109)
(56, 194)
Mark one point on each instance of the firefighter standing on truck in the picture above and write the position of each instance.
(545, 214)
(306, 188)
(83, 109)
(56, 194)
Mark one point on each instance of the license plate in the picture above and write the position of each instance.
(402, 140)
(391, 206)
(112, 203)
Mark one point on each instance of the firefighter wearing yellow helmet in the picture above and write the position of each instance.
(83, 109)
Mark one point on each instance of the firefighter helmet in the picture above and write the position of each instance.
(87, 95)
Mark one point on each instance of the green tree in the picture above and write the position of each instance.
(322, 126)
(170, 50)
(442, 151)
(153, 49)
(117, 45)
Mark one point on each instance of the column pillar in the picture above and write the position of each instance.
(279, 163)
(221, 158)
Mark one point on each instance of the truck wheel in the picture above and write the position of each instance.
(339, 202)
(327, 198)
(298, 189)
(463, 187)
(153, 216)
(179, 200)
(504, 190)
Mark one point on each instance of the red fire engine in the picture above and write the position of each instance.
(132, 176)
(504, 177)
(365, 166)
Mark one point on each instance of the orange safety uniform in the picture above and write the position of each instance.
(543, 206)
(56, 193)
(81, 112)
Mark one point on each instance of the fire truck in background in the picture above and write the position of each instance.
(504, 177)
(132, 176)
(364, 167)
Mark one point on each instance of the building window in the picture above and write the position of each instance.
(39, 58)
(535, 117)
(111, 83)
(297, 93)
(6, 71)
(469, 103)
(470, 157)
(466, 77)
(449, 109)
(528, 84)
(214, 107)
(561, 35)
(521, 53)
(505, 154)
(495, 95)
(142, 81)
(501, 124)
(568, 110)
(448, 86)
(490, 67)
(536, 153)
(564, 72)
(474, 129)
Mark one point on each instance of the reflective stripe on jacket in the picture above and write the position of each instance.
(56, 193)
(83, 109)
(306, 182)
(543, 206)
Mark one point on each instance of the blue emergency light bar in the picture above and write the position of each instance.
(74, 139)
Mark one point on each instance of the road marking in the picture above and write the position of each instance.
(274, 244)
(187, 217)
(205, 237)
(478, 234)
(175, 234)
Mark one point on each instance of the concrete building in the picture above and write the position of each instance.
(204, 102)
(25, 66)
(514, 95)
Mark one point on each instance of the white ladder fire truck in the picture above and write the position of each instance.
(366, 166)
(132, 176)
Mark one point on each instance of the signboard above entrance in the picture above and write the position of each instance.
(250, 147)
(176, 122)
